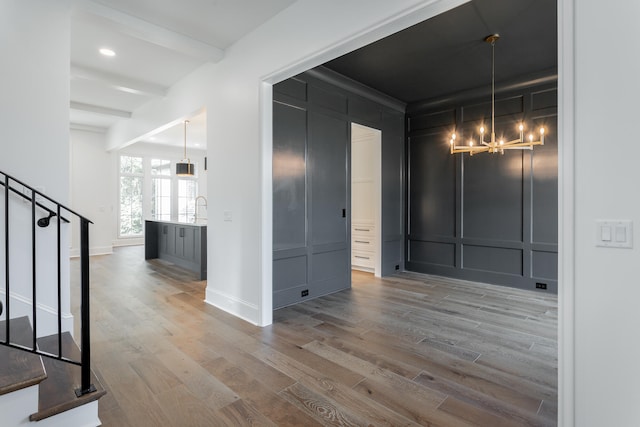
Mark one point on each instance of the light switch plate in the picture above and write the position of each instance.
(228, 216)
(614, 233)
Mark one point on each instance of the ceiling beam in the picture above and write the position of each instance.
(117, 82)
(149, 32)
(80, 106)
(87, 128)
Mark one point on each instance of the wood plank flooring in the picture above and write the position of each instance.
(407, 350)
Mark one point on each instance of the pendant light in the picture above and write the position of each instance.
(185, 167)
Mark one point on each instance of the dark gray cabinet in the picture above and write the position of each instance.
(182, 244)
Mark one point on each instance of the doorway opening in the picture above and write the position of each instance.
(366, 199)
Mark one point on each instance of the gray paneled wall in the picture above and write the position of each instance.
(489, 217)
(312, 114)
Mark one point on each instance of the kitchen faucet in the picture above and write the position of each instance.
(195, 218)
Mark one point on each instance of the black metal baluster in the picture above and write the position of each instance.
(6, 259)
(33, 268)
(59, 284)
(86, 386)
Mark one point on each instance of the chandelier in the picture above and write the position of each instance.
(493, 145)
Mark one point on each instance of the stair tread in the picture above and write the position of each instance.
(56, 393)
(19, 369)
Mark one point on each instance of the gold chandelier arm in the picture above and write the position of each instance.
(471, 150)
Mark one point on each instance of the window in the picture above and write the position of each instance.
(131, 181)
(187, 193)
(149, 189)
(161, 189)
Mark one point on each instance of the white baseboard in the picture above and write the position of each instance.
(135, 241)
(47, 316)
(242, 309)
(97, 250)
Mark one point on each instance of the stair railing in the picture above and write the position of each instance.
(14, 191)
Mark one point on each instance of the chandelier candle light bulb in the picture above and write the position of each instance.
(493, 146)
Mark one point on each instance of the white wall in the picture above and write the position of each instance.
(34, 83)
(93, 190)
(34, 140)
(607, 149)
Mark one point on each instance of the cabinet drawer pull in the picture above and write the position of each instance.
(362, 257)
(362, 229)
(362, 241)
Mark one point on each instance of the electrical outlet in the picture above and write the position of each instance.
(397, 267)
(304, 293)
(541, 285)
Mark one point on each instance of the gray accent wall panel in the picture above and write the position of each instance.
(544, 195)
(488, 217)
(432, 190)
(311, 184)
(364, 110)
(392, 180)
(329, 99)
(294, 88)
(545, 265)
(328, 138)
(330, 265)
(289, 177)
(289, 272)
(492, 206)
(490, 259)
(434, 253)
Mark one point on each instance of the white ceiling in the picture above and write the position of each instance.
(157, 42)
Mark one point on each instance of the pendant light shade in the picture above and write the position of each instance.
(185, 167)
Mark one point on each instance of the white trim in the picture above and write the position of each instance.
(47, 325)
(128, 241)
(566, 213)
(266, 247)
(232, 305)
(97, 250)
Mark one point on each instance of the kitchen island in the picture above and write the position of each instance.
(181, 243)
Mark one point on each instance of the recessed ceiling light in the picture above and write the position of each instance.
(107, 52)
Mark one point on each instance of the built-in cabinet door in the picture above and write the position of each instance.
(163, 238)
(327, 174)
(189, 242)
(179, 241)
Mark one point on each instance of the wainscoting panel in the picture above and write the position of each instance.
(488, 217)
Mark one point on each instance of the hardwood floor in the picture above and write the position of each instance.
(407, 350)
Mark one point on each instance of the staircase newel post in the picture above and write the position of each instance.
(86, 386)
